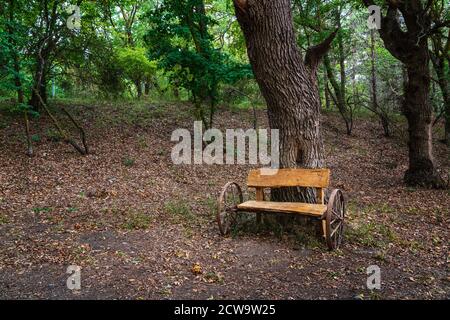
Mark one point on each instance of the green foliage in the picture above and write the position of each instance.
(180, 211)
(137, 221)
(38, 210)
(135, 65)
(179, 39)
(3, 219)
(128, 162)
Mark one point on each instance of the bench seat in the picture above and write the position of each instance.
(314, 210)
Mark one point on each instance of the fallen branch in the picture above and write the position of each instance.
(82, 132)
(63, 133)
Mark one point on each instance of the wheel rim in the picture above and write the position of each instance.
(335, 219)
(229, 199)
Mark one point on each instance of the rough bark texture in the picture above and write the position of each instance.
(288, 84)
(411, 48)
(40, 84)
(419, 113)
(439, 56)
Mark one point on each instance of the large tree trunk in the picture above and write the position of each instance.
(419, 114)
(288, 84)
(411, 48)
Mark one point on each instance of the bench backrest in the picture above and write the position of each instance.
(276, 178)
(272, 178)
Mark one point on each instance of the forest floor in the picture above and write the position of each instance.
(143, 228)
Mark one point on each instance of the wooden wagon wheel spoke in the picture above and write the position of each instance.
(338, 235)
(336, 229)
(334, 219)
(227, 208)
(233, 196)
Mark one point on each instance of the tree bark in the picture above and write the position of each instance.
(438, 58)
(40, 86)
(326, 90)
(411, 48)
(288, 84)
(339, 97)
(419, 114)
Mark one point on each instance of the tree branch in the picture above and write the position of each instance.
(241, 4)
(315, 54)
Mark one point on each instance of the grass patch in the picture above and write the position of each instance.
(142, 142)
(137, 221)
(3, 219)
(307, 237)
(128, 162)
(371, 234)
(42, 209)
(362, 227)
(54, 135)
(180, 211)
(36, 138)
(3, 124)
(211, 204)
(213, 277)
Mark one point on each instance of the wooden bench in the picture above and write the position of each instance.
(329, 215)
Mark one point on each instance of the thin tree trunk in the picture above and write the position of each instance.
(338, 97)
(373, 71)
(138, 88)
(39, 84)
(375, 106)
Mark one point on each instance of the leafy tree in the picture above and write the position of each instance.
(136, 66)
(179, 39)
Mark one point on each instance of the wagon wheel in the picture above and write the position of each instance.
(334, 220)
(229, 199)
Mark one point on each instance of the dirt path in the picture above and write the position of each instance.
(137, 224)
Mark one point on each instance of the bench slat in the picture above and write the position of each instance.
(271, 178)
(315, 210)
